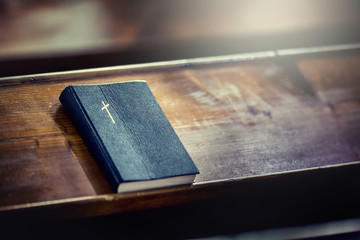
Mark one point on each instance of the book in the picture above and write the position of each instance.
(129, 135)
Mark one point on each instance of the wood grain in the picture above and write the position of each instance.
(236, 119)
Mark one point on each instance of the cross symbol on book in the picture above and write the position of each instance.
(106, 107)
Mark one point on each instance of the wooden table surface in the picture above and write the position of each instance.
(244, 119)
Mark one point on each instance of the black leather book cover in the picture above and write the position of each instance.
(127, 132)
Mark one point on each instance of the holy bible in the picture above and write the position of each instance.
(129, 135)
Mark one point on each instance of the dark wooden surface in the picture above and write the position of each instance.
(237, 119)
(255, 128)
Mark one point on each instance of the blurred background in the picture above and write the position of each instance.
(40, 36)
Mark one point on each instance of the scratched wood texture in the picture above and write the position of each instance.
(237, 119)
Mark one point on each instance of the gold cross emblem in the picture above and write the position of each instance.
(106, 108)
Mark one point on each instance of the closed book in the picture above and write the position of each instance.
(129, 135)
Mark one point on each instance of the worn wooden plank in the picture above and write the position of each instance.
(287, 198)
(237, 119)
(340, 90)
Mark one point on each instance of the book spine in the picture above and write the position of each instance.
(73, 107)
